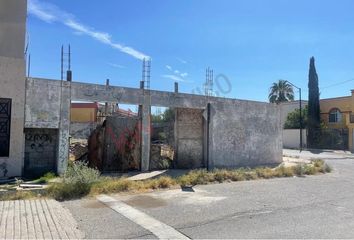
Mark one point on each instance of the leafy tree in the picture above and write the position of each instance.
(166, 116)
(281, 91)
(293, 119)
(313, 115)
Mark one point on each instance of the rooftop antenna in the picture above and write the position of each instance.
(66, 63)
(146, 73)
(208, 85)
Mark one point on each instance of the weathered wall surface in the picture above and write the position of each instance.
(121, 144)
(48, 106)
(244, 134)
(42, 103)
(12, 79)
(40, 151)
(189, 138)
(291, 138)
(80, 130)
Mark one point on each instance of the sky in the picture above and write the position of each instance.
(249, 44)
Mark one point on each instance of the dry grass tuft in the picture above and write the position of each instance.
(18, 195)
(89, 184)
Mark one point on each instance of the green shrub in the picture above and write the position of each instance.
(77, 182)
(79, 172)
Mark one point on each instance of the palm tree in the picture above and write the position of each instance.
(281, 91)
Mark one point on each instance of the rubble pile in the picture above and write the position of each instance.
(78, 151)
(162, 156)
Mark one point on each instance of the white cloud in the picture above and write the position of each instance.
(173, 77)
(51, 13)
(176, 74)
(181, 60)
(116, 65)
(39, 11)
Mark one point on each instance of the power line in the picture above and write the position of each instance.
(339, 83)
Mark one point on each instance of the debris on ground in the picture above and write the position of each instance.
(289, 161)
(78, 151)
(162, 156)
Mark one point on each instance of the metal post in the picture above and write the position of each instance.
(300, 120)
(62, 63)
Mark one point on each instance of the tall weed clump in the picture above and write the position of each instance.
(77, 181)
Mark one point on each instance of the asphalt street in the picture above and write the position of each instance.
(320, 206)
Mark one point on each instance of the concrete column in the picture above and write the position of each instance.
(144, 114)
(64, 127)
(145, 137)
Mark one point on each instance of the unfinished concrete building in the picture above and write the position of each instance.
(209, 132)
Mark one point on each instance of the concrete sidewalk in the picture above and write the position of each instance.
(318, 153)
(36, 219)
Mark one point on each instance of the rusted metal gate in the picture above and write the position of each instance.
(122, 144)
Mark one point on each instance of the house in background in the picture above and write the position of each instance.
(336, 113)
(84, 118)
(84, 112)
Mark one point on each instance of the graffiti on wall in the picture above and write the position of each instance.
(38, 141)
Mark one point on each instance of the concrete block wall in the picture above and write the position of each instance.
(40, 151)
(42, 103)
(244, 133)
(189, 138)
(12, 79)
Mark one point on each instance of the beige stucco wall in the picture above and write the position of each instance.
(291, 138)
(12, 77)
